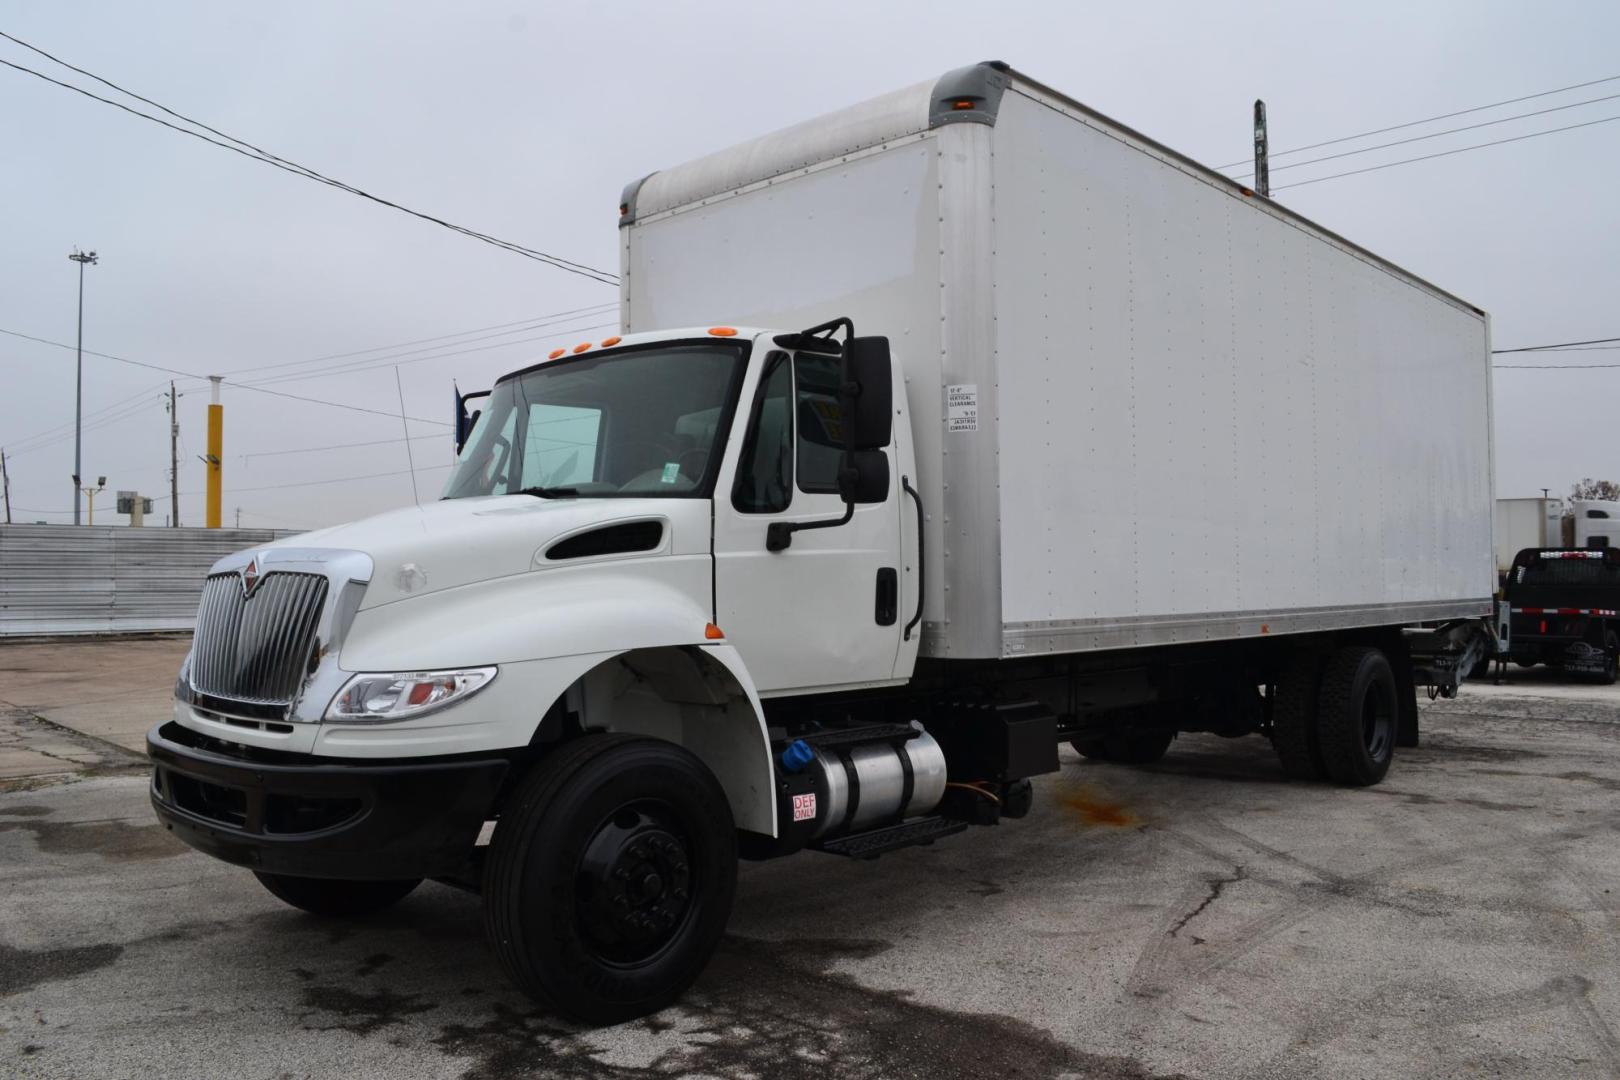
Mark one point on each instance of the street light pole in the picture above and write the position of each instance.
(80, 257)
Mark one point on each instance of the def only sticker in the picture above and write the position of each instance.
(962, 407)
(804, 807)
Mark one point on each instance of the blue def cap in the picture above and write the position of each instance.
(797, 756)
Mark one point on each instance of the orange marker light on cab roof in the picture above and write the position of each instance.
(608, 343)
(556, 353)
(722, 331)
(963, 104)
(713, 632)
(582, 346)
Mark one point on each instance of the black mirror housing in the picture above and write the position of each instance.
(864, 477)
(871, 412)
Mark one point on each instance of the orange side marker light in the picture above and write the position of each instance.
(722, 331)
(713, 632)
(582, 346)
(608, 343)
(556, 353)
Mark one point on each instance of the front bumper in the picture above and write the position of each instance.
(321, 817)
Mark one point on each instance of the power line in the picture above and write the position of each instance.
(1551, 367)
(383, 362)
(337, 446)
(1557, 345)
(521, 326)
(238, 386)
(1445, 153)
(248, 150)
(1426, 120)
(1431, 135)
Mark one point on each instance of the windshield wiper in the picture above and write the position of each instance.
(549, 492)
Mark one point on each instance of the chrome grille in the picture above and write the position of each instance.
(256, 648)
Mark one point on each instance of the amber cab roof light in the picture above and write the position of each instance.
(723, 331)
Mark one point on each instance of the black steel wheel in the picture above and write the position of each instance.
(336, 897)
(1357, 713)
(610, 877)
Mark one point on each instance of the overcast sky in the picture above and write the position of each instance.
(525, 120)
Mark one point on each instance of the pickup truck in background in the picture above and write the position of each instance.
(862, 514)
(1562, 609)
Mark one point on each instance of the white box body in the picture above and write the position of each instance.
(1526, 523)
(1149, 408)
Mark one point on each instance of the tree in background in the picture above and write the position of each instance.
(1606, 490)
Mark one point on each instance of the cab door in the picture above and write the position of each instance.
(825, 611)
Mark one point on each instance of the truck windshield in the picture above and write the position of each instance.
(637, 422)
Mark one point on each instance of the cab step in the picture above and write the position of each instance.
(875, 842)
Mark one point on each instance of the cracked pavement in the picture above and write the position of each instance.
(1201, 917)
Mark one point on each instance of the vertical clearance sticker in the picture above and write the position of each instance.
(962, 407)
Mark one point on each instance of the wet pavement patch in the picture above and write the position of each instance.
(362, 1014)
(24, 968)
(774, 1009)
(116, 841)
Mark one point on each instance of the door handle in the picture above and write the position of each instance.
(888, 596)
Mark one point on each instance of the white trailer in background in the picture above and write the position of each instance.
(941, 429)
(1596, 523)
(1526, 523)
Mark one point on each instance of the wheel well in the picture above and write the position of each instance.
(687, 697)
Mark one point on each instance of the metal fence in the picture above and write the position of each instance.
(64, 579)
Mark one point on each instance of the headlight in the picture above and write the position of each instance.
(400, 695)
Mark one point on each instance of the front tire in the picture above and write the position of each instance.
(610, 877)
(335, 897)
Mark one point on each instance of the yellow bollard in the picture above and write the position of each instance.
(216, 454)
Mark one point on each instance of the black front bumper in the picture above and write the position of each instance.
(321, 817)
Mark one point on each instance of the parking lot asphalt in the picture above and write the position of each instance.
(1201, 917)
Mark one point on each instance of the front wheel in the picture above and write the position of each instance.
(335, 897)
(610, 877)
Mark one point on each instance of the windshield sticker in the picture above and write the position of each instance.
(672, 472)
(962, 407)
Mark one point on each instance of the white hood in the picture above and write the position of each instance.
(453, 542)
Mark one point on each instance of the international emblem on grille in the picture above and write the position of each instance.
(250, 578)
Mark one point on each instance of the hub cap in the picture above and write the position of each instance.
(1377, 723)
(633, 891)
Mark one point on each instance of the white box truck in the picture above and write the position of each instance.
(1526, 523)
(940, 430)
(1595, 523)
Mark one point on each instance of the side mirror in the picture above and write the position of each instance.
(864, 477)
(464, 420)
(871, 408)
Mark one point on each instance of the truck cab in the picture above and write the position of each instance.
(1563, 610)
(643, 538)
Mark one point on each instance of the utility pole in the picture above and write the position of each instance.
(82, 258)
(5, 482)
(174, 460)
(216, 453)
(238, 517)
(1262, 167)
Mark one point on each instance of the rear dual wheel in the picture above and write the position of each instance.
(1335, 716)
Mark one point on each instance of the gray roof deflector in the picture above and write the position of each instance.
(969, 95)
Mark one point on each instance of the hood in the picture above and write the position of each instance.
(453, 542)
